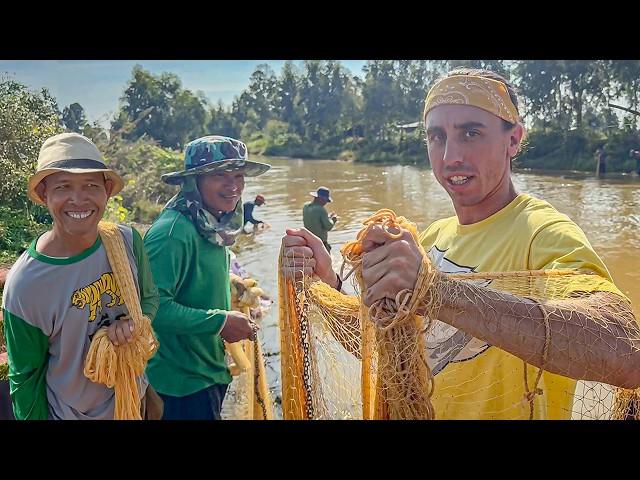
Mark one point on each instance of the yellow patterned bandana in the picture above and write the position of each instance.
(485, 93)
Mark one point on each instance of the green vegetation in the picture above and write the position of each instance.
(315, 110)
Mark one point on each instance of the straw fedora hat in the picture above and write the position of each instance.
(70, 152)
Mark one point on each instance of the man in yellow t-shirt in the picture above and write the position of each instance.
(477, 347)
(473, 379)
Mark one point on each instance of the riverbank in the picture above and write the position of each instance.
(543, 149)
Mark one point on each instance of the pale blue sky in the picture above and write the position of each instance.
(98, 84)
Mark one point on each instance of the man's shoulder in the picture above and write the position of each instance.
(23, 273)
(537, 213)
(170, 223)
(20, 265)
(126, 230)
(556, 240)
(441, 224)
(439, 227)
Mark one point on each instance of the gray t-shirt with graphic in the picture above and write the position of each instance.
(68, 300)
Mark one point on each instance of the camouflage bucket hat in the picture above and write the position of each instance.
(215, 153)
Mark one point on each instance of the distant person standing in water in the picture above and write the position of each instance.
(636, 154)
(247, 209)
(315, 217)
(601, 168)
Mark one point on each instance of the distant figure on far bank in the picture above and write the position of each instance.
(248, 207)
(636, 154)
(315, 217)
(601, 165)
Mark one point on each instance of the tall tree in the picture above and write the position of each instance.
(381, 97)
(310, 99)
(161, 109)
(414, 77)
(73, 118)
(222, 122)
(27, 118)
(287, 97)
(624, 88)
(559, 91)
(259, 96)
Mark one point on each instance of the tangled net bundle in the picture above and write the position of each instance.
(118, 366)
(341, 359)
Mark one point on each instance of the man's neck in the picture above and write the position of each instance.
(59, 244)
(489, 206)
(216, 213)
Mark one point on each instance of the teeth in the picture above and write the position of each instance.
(458, 179)
(79, 215)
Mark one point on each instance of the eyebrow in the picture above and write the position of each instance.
(56, 181)
(469, 125)
(461, 126)
(67, 179)
(432, 130)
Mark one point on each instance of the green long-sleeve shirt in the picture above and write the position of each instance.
(192, 276)
(316, 220)
(52, 307)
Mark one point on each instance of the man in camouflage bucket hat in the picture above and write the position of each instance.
(187, 246)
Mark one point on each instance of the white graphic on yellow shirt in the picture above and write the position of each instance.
(445, 343)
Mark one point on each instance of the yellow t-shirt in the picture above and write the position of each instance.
(474, 380)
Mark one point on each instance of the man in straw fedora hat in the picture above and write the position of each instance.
(188, 252)
(481, 337)
(315, 216)
(62, 289)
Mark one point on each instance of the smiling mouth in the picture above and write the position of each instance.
(459, 179)
(81, 215)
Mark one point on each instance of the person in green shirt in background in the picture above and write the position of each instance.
(315, 217)
(187, 246)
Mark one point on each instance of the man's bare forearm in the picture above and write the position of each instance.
(593, 338)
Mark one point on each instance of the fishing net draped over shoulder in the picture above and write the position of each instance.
(118, 366)
(343, 360)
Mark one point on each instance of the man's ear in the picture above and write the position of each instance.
(108, 186)
(515, 140)
(41, 191)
